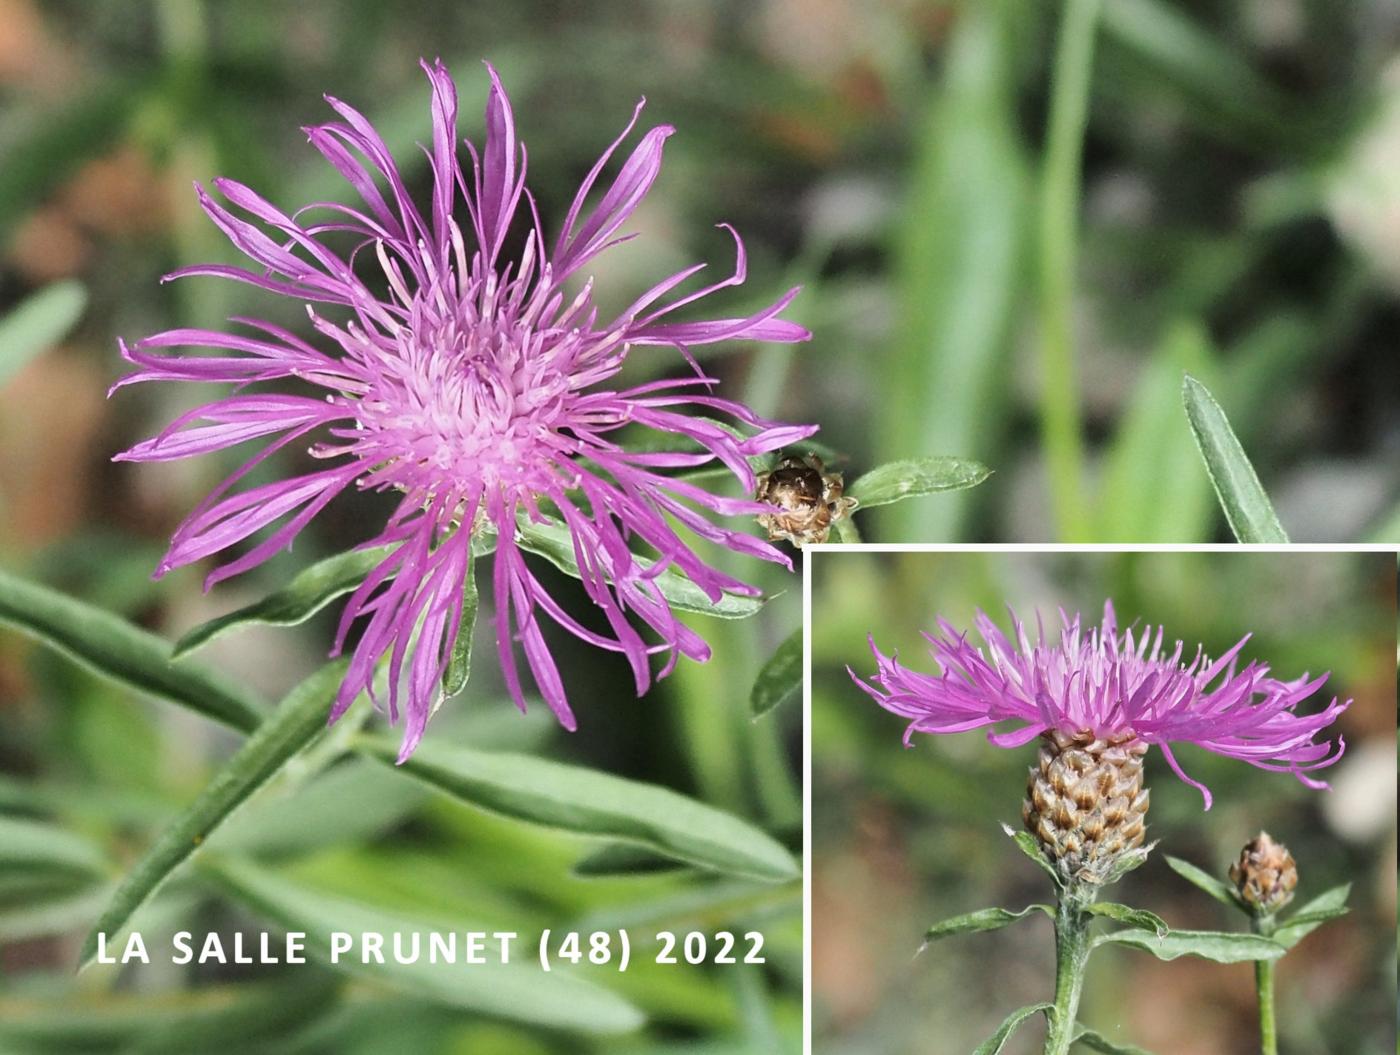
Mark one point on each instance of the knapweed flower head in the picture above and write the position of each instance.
(1102, 685)
(480, 386)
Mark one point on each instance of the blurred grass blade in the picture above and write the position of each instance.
(915, 477)
(958, 262)
(780, 680)
(993, 1044)
(624, 859)
(592, 803)
(59, 912)
(26, 845)
(1247, 507)
(555, 544)
(309, 591)
(295, 722)
(114, 648)
(514, 991)
(1154, 488)
(1219, 946)
(37, 323)
(459, 664)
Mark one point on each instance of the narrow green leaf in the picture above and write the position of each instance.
(26, 844)
(309, 591)
(993, 1044)
(555, 544)
(1308, 917)
(56, 913)
(1154, 487)
(1026, 843)
(1247, 507)
(1210, 945)
(1098, 1042)
(982, 919)
(459, 664)
(1135, 916)
(1216, 888)
(297, 720)
(592, 803)
(780, 680)
(915, 477)
(37, 323)
(110, 646)
(517, 990)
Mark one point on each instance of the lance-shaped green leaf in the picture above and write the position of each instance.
(993, 1044)
(555, 544)
(297, 720)
(1208, 944)
(780, 680)
(1308, 917)
(110, 646)
(915, 477)
(624, 859)
(1136, 917)
(1098, 1042)
(1025, 842)
(37, 323)
(459, 664)
(1199, 877)
(1247, 507)
(310, 590)
(517, 990)
(982, 919)
(32, 845)
(592, 803)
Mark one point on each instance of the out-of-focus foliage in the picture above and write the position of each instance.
(903, 838)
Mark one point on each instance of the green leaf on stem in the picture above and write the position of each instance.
(993, 1044)
(1025, 841)
(113, 648)
(27, 845)
(624, 859)
(1137, 917)
(38, 322)
(1199, 877)
(780, 680)
(309, 591)
(1308, 917)
(554, 542)
(1210, 945)
(914, 478)
(982, 919)
(459, 664)
(592, 803)
(1242, 497)
(293, 725)
(1098, 1042)
(510, 990)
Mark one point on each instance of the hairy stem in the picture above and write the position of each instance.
(1264, 985)
(1071, 956)
(1059, 205)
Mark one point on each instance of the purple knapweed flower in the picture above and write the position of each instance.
(478, 387)
(1116, 687)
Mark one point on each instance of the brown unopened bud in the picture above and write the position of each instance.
(1265, 874)
(1085, 803)
(809, 500)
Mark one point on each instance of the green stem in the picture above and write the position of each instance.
(1264, 985)
(1060, 415)
(1071, 956)
(846, 530)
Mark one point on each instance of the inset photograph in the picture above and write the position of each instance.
(1113, 802)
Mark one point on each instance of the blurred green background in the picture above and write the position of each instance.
(902, 838)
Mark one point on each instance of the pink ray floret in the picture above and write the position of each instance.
(477, 388)
(1108, 683)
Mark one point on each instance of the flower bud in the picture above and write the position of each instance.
(1265, 875)
(808, 499)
